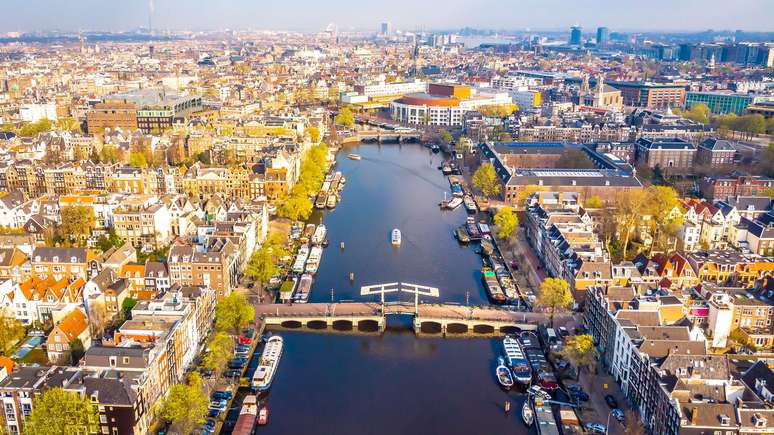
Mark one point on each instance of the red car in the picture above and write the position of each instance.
(245, 340)
(547, 381)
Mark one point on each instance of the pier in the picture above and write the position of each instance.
(432, 318)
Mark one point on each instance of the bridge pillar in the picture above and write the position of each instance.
(382, 323)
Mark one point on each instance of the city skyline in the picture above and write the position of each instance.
(661, 15)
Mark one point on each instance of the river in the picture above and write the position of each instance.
(393, 383)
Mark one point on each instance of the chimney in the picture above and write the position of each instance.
(694, 416)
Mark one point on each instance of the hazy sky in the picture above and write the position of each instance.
(311, 15)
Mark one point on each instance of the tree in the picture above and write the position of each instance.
(314, 134)
(486, 180)
(527, 191)
(497, 110)
(109, 154)
(555, 295)
(506, 222)
(345, 117)
(97, 314)
(34, 128)
(630, 205)
(138, 160)
(662, 203)
(580, 351)
(109, 241)
(594, 202)
(698, 112)
(233, 312)
(77, 350)
(261, 266)
(219, 350)
(77, 223)
(126, 307)
(297, 206)
(59, 412)
(186, 405)
(11, 331)
(446, 137)
(68, 124)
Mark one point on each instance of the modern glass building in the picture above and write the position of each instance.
(719, 102)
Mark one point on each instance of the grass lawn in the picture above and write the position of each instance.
(36, 355)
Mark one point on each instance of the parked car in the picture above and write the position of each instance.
(245, 340)
(619, 414)
(219, 405)
(222, 395)
(611, 402)
(249, 332)
(232, 373)
(242, 348)
(244, 355)
(209, 427)
(562, 364)
(213, 413)
(580, 395)
(595, 427)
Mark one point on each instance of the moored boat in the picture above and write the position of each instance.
(321, 199)
(503, 373)
(526, 413)
(263, 415)
(319, 234)
(287, 288)
(302, 290)
(395, 237)
(331, 202)
(492, 287)
(267, 365)
(517, 360)
(461, 235)
(454, 203)
(470, 205)
(353, 156)
(457, 190)
(313, 263)
(474, 233)
(247, 415)
(300, 262)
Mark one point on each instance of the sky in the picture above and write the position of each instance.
(314, 15)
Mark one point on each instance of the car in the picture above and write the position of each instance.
(619, 414)
(580, 395)
(245, 340)
(562, 364)
(595, 427)
(219, 405)
(574, 387)
(242, 348)
(222, 395)
(249, 332)
(611, 402)
(213, 413)
(244, 354)
(206, 373)
(563, 332)
(232, 373)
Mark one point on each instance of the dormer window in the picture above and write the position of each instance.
(759, 420)
(725, 420)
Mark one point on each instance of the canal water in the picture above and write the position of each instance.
(396, 382)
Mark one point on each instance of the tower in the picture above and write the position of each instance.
(603, 36)
(575, 35)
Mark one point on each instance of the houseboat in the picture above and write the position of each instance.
(267, 365)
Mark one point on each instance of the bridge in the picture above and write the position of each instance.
(383, 136)
(427, 318)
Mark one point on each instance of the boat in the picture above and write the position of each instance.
(319, 235)
(301, 295)
(446, 169)
(321, 199)
(487, 248)
(484, 228)
(395, 237)
(454, 203)
(247, 415)
(474, 233)
(509, 287)
(526, 413)
(263, 415)
(313, 263)
(309, 231)
(457, 190)
(331, 202)
(461, 235)
(544, 418)
(267, 365)
(303, 254)
(353, 156)
(492, 287)
(470, 205)
(503, 373)
(287, 288)
(517, 360)
(435, 148)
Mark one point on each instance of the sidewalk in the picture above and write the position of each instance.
(596, 409)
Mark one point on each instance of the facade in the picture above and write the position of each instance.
(443, 105)
(112, 114)
(215, 269)
(736, 184)
(651, 95)
(720, 102)
(70, 263)
(670, 155)
(74, 326)
(715, 152)
(394, 89)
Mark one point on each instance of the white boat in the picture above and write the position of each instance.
(354, 156)
(313, 263)
(300, 263)
(331, 202)
(319, 234)
(526, 413)
(470, 205)
(267, 365)
(302, 291)
(454, 203)
(517, 360)
(396, 237)
(503, 373)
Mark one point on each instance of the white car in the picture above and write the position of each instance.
(595, 427)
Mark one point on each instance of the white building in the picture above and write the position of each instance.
(383, 89)
(423, 108)
(36, 112)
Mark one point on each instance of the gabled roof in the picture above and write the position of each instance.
(73, 324)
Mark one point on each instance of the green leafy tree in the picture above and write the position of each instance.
(663, 203)
(77, 223)
(11, 331)
(109, 154)
(629, 208)
(446, 137)
(110, 240)
(234, 312)
(594, 202)
(486, 180)
(219, 350)
(59, 412)
(554, 294)
(138, 160)
(698, 112)
(345, 117)
(186, 405)
(580, 351)
(314, 134)
(297, 206)
(506, 222)
(263, 263)
(126, 307)
(68, 124)
(34, 128)
(76, 350)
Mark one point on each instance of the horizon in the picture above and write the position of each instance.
(753, 16)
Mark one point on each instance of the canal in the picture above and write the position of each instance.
(394, 383)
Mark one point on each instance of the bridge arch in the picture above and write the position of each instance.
(456, 328)
(317, 324)
(483, 329)
(430, 326)
(510, 329)
(343, 325)
(368, 325)
(293, 324)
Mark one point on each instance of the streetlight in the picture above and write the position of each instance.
(607, 427)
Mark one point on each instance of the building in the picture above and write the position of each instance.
(603, 36)
(37, 112)
(715, 152)
(74, 326)
(155, 109)
(651, 95)
(393, 89)
(215, 268)
(736, 184)
(443, 104)
(720, 102)
(112, 114)
(144, 222)
(765, 108)
(576, 36)
(70, 263)
(671, 155)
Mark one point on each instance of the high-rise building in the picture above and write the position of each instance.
(575, 35)
(603, 36)
(385, 28)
